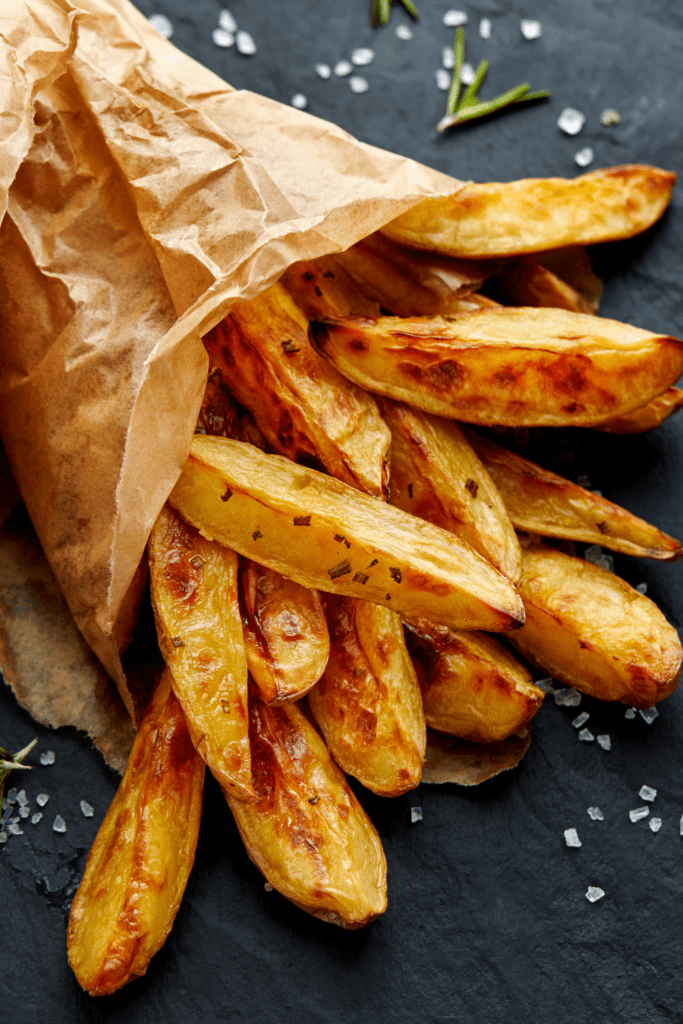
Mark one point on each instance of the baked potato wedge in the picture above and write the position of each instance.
(517, 367)
(196, 607)
(573, 266)
(306, 832)
(534, 214)
(285, 633)
(305, 409)
(367, 704)
(648, 417)
(589, 629)
(436, 475)
(541, 502)
(471, 685)
(526, 283)
(139, 864)
(222, 416)
(323, 287)
(326, 535)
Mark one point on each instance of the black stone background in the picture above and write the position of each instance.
(487, 919)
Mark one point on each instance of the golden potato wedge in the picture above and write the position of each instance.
(323, 287)
(589, 629)
(436, 475)
(285, 633)
(573, 265)
(544, 503)
(140, 861)
(368, 703)
(325, 535)
(471, 686)
(534, 214)
(450, 759)
(648, 417)
(307, 833)
(525, 283)
(196, 607)
(304, 408)
(516, 367)
(222, 416)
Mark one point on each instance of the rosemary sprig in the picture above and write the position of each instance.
(459, 55)
(381, 11)
(8, 763)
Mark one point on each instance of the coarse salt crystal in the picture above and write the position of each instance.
(530, 28)
(594, 893)
(485, 28)
(3, 837)
(649, 715)
(245, 43)
(87, 809)
(223, 38)
(467, 74)
(571, 837)
(586, 736)
(597, 493)
(299, 101)
(545, 684)
(584, 157)
(580, 719)
(415, 814)
(571, 121)
(597, 556)
(268, 887)
(452, 19)
(362, 55)
(630, 713)
(323, 70)
(36, 817)
(605, 740)
(448, 57)
(59, 825)
(443, 79)
(343, 68)
(567, 697)
(13, 829)
(42, 799)
(404, 32)
(655, 824)
(610, 116)
(47, 757)
(227, 21)
(22, 799)
(12, 796)
(639, 813)
(162, 24)
(24, 812)
(647, 793)
(642, 588)
(596, 814)
(359, 84)
(681, 825)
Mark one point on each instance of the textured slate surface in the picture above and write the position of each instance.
(487, 919)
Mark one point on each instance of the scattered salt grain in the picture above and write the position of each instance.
(467, 74)
(24, 812)
(42, 799)
(299, 101)
(568, 698)
(639, 813)
(47, 757)
(586, 736)
(596, 814)
(610, 116)
(545, 684)
(597, 493)
(448, 57)
(87, 809)
(362, 56)
(13, 829)
(323, 70)
(59, 825)
(415, 814)
(5, 805)
(571, 837)
(530, 29)
(647, 793)
(584, 157)
(485, 28)
(443, 79)
(3, 837)
(649, 715)
(22, 799)
(580, 719)
(594, 893)
(655, 824)
(598, 557)
(642, 588)
(162, 24)
(343, 68)
(359, 84)
(571, 121)
(604, 740)
(36, 817)
(404, 32)
(680, 827)
(12, 796)
(452, 19)
(222, 38)
(227, 21)
(245, 44)
(630, 713)
(268, 887)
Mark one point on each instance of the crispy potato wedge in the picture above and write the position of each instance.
(436, 475)
(450, 759)
(222, 416)
(517, 367)
(304, 408)
(307, 833)
(368, 704)
(472, 686)
(140, 861)
(196, 607)
(543, 503)
(648, 417)
(589, 629)
(534, 214)
(323, 287)
(525, 283)
(285, 633)
(573, 265)
(325, 535)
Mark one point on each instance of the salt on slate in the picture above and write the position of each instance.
(22, 799)
(448, 57)
(245, 44)
(580, 719)
(42, 799)
(639, 813)
(13, 829)
(649, 715)
(362, 55)
(404, 32)
(630, 713)
(594, 893)
(47, 757)
(545, 684)
(227, 21)
(36, 817)
(359, 84)
(596, 814)
(343, 68)
(467, 74)
(604, 740)
(59, 825)
(3, 837)
(571, 121)
(586, 736)
(12, 796)
(584, 157)
(597, 556)
(571, 837)
(24, 811)
(655, 824)
(299, 101)
(567, 697)
(443, 79)
(485, 28)
(610, 116)
(681, 825)
(647, 793)
(87, 809)
(530, 28)
(222, 38)
(642, 588)
(415, 814)
(162, 24)
(323, 70)
(452, 19)
(268, 887)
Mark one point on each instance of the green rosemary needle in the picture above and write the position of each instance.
(8, 762)
(459, 55)
(381, 11)
(469, 97)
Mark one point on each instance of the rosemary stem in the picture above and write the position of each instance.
(470, 95)
(411, 8)
(459, 55)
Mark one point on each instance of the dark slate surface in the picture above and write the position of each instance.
(487, 919)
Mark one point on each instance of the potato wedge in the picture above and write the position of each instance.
(323, 287)
(304, 408)
(541, 502)
(222, 416)
(196, 607)
(285, 633)
(648, 417)
(516, 367)
(589, 629)
(325, 535)
(139, 864)
(368, 704)
(307, 833)
(537, 213)
(436, 475)
(525, 283)
(573, 265)
(472, 686)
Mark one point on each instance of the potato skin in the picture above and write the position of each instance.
(285, 633)
(508, 366)
(139, 864)
(368, 703)
(589, 629)
(525, 283)
(646, 418)
(323, 287)
(534, 214)
(307, 832)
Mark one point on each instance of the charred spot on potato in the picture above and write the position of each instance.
(603, 527)
(302, 520)
(256, 534)
(472, 486)
(328, 273)
(358, 345)
(410, 490)
(395, 574)
(290, 347)
(318, 292)
(227, 495)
